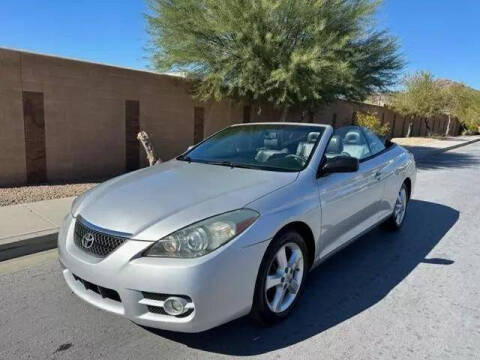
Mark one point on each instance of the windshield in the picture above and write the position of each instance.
(267, 147)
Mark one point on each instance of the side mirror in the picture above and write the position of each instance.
(338, 164)
(388, 142)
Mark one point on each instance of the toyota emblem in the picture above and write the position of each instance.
(87, 240)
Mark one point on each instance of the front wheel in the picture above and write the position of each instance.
(281, 278)
(395, 222)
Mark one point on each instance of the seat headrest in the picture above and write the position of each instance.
(352, 138)
(270, 143)
(271, 140)
(335, 146)
(312, 137)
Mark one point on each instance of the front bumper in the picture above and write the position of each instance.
(220, 284)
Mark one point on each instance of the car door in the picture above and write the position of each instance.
(384, 165)
(349, 201)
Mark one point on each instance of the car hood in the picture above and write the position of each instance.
(153, 202)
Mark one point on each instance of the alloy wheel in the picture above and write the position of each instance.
(400, 206)
(284, 277)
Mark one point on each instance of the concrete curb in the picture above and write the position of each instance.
(438, 151)
(26, 246)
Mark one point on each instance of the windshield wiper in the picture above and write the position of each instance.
(185, 158)
(222, 163)
(232, 164)
(245, 166)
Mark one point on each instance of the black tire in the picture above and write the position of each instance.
(261, 313)
(391, 223)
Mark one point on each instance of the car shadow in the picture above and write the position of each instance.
(444, 160)
(345, 285)
(428, 161)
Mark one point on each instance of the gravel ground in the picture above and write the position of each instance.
(25, 194)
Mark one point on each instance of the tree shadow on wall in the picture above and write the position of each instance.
(345, 285)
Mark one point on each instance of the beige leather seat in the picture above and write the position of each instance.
(355, 145)
(272, 146)
(305, 148)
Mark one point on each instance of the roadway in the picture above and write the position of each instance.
(409, 295)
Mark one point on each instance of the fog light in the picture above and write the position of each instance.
(175, 306)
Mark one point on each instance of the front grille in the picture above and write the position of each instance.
(103, 292)
(95, 242)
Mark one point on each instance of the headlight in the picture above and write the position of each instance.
(203, 237)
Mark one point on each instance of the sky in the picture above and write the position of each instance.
(440, 36)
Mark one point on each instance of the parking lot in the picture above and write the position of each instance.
(414, 294)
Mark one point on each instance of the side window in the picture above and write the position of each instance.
(376, 145)
(348, 141)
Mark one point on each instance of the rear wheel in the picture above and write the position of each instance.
(281, 278)
(395, 222)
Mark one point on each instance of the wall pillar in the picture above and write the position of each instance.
(132, 128)
(198, 124)
(34, 125)
(246, 114)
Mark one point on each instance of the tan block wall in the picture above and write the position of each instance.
(85, 114)
(12, 137)
(84, 108)
(84, 111)
(220, 115)
(166, 114)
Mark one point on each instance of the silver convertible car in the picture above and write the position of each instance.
(232, 226)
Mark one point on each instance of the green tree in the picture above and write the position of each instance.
(421, 96)
(472, 115)
(463, 103)
(292, 53)
(456, 99)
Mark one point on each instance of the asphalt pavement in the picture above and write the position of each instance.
(414, 294)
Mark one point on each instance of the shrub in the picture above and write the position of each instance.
(370, 121)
